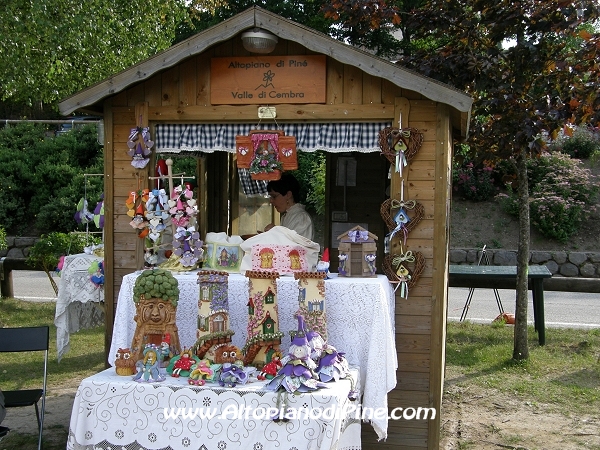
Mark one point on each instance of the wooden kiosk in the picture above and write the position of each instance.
(349, 86)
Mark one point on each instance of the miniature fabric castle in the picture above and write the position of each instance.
(264, 337)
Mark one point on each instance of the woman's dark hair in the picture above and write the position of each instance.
(286, 183)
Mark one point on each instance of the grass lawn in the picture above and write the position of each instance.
(564, 374)
(23, 371)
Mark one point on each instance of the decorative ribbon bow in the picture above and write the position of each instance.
(404, 257)
(358, 235)
(400, 145)
(409, 204)
(403, 278)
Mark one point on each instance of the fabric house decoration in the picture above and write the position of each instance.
(266, 153)
(311, 299)
(213, 312)
(357, 252)
(264, 337)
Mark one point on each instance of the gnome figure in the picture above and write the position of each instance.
(323, 264)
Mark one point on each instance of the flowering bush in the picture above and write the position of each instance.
(562, 195)
(472, 183)
(582, 144)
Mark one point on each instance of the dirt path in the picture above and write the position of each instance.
(472, 417)
(482, 419)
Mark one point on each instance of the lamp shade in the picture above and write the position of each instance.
(259, 41)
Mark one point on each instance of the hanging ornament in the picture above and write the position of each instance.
(83, 216)
(404, 270)
(400, 145)
(140, 147)
(99, 213)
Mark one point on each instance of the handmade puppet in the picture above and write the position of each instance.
(200, 373)
(148, 369)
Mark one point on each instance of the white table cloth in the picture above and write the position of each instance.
(77, 301)
(360, 322)
(114, 412)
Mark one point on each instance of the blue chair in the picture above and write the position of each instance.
(27, 339)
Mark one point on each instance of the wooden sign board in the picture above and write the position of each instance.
(267, 80)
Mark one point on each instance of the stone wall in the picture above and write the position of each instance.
(18, 247)
(560, 264)
(565, 264)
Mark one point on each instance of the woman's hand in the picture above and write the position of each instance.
(268, 227)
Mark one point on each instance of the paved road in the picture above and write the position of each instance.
(562, 309)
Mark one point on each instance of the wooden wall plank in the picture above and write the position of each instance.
(413, 324)
(413, 343)
(371, 89)
(415, 362)
(170, 87)
(411, 381)
(203, 80)
(414, 306)
(352, 85)
(188, 75)
(335, 82)
(153, 90)
(135, 94)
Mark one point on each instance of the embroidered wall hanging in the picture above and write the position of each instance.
(266, 153)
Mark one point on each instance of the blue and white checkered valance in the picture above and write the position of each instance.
(208, 138)
(329, 137)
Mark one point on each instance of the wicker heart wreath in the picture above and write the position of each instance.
(404, 269)
(388, 207)
(394, 141)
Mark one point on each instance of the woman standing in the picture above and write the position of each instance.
(285, 195)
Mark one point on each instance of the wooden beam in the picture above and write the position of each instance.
(110, 291)
(443, 179)
(294, 113)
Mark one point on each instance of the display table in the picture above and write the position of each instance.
(77, 302)
(360, 322)
(114, 412)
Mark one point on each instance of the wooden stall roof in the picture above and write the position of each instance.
(90, 99)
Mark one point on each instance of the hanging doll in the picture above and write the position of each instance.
(298, 371)
(331, 364)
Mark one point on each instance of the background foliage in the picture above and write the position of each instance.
(53, 48)
(42, 177)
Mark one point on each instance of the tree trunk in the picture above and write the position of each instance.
(521, 349)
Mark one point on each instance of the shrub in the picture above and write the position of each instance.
(41, 178)
(562, 195)
(582, 144)
(473, 183)
(3, 244)
(46, 252)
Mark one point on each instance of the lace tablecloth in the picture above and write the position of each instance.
(114, 412)
(360, 322)
(77, 302)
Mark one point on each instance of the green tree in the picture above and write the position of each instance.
(532, 67)
(53, 48)
(42, 178)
